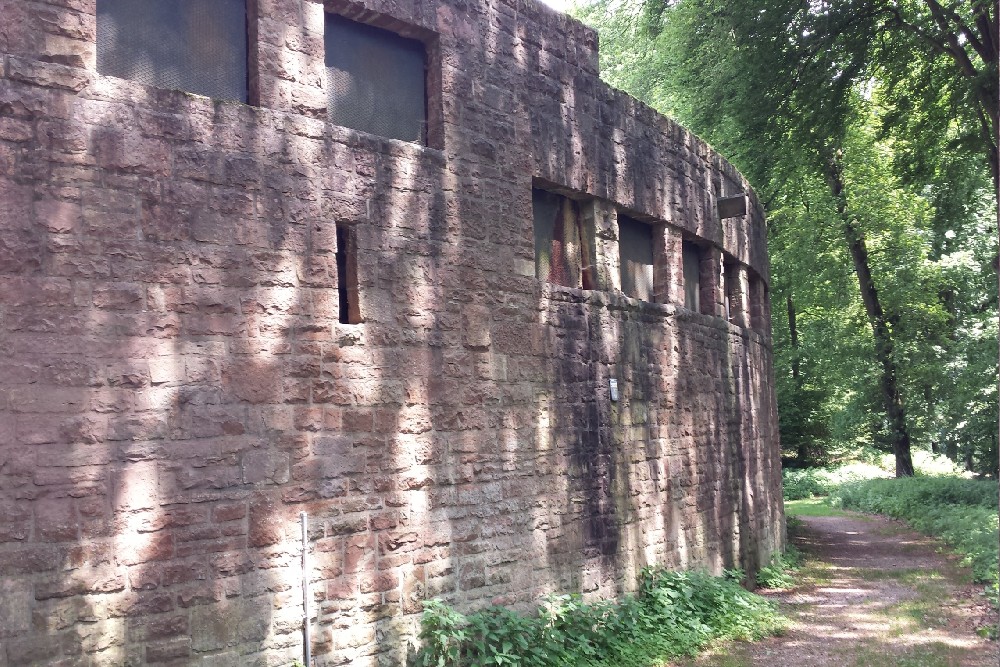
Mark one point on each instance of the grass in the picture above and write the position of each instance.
(907, 576)
(811, 482)
(933, 654)
(811, 507)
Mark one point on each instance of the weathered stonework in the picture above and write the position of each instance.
(175, 385)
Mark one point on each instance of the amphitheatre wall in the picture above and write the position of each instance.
(522, 348)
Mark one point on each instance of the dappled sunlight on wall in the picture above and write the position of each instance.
(180, 382)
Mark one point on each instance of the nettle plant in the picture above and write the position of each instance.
(672, 614)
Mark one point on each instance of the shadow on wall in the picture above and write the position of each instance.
(584, 527)
(147, 427)
(179, 386)
(702, 446)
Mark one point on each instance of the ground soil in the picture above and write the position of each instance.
(871, 593)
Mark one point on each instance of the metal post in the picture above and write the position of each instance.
(306, 642)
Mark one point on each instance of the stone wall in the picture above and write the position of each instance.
(176, 385)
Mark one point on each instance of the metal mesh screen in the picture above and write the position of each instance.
(375, 80)
(635, 249)
(557, 238)
(545, 206)
(195, 45)
(757, 297)
(692, 276)
(731, 288)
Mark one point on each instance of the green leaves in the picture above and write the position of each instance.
(781, 87)
(673, 614)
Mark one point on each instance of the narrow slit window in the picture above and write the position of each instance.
(635, 248)
(559, 240)
(347, 274)
(199, 46)
(692, 276)
(375, 80)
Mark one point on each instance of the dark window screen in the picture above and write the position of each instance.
(758, 297)
(731, 280)
(692, 276)
(375, 80)
(558, 249)
(195, 45)
(635, 247)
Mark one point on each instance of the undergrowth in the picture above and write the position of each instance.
(673, 614)
(811, 482)
(779, 572)
(961, 512)
(799, 483)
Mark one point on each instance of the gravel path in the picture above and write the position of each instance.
(873, 593)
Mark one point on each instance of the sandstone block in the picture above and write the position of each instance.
(51, 75)
(265, 465)
(266, 525)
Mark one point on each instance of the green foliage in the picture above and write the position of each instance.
(962, 512)
(781, 86)
(810, 482)
(800, 483)
(673, 614)
(779, 572)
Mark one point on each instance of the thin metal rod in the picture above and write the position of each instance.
(306, 642)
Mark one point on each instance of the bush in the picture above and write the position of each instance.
(813, 482)
(673, 614)
(927, 464)
(962, 512)
(810, 482)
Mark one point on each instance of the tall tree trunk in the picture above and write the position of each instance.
(793, 334)
(893, 402)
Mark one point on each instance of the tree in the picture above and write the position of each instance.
(780, 87)
(805, 60)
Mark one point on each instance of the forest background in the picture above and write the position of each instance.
(868, 129)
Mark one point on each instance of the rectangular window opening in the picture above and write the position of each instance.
(347, 274)
(560, 241)
(758, 298)
(635, 249)
(692, 255)
(376, 80)
(199, 46)
(731, 284)
(732, 207)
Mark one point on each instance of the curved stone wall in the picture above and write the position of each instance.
(179, 381)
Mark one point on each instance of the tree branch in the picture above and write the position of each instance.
(988, 28)
(919, 33)
(958, 53)
(988, 129)
(962, 28)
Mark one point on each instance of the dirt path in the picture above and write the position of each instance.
(873, 593)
